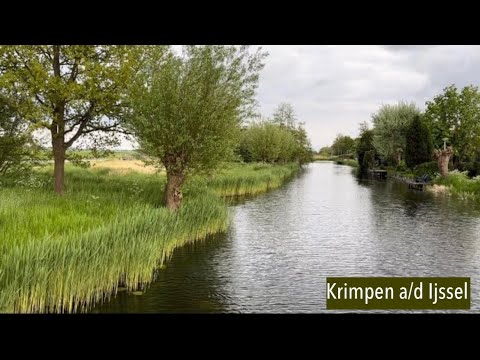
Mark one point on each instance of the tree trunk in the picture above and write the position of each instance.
(173, 191)
(59, 165)
(443, 157)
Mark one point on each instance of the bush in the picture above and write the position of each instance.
(402, 166)
(430, 168)
(473, 168)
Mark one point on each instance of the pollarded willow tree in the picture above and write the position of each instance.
(187, 108)
(69, 90)
(455, 116)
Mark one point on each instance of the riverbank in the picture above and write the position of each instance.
(338, 160)
(108, 231)
(456, 184)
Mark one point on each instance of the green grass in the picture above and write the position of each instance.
(67, 254)
(338, 160)
(321, 157)
(461, 186)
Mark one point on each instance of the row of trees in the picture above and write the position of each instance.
(186, 109)
(403, 136)
(278, 140)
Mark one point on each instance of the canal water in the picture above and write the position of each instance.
(282, 245)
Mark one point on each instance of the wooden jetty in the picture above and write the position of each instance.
(382, 174)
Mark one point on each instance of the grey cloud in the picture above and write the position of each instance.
(334, 88)
(408, 47)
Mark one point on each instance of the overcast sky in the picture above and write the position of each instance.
(334, 88)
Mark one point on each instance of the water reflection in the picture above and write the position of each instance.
(325, 222)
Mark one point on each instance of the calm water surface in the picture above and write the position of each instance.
(325, 222)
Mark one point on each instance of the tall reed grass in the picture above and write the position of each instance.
(460, 185)
(67, 254)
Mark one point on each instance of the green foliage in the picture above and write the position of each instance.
(279, 140)
(459, 185)
(70, 90)
(402, 166)
(456, 116)
(17, 149)
(325, 151)
(187, 109)
(107, 231)
(419, 148)
(270, 142)
(390, 127)
(430, 168)
(365, 150)
(368, 161)
(343, 145)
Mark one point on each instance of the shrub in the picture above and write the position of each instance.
(430, 168)
(473, 168)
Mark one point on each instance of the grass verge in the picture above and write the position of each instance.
(67, 254)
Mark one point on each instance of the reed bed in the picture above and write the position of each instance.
(68, 254)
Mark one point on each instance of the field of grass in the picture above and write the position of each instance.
(122, 167)
(64, 254)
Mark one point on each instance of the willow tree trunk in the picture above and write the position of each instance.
(173, 190)
(59, 164)
(443, 158)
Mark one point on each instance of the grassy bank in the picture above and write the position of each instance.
(458, 184)
(109, 230)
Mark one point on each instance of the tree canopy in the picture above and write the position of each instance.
(17, 147)
(456, 116)
(187, 108)
(69, 90)
(390, 125)
(419, 147)
(343, 145)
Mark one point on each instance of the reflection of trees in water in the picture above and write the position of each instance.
(418, 235)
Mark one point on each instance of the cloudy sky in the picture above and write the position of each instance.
(334, 88)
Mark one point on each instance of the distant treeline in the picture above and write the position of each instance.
(401, 136)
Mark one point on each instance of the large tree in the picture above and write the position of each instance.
(456, 116)
(187, 108)
(69, 90)
(390, 125)
(419, 148)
